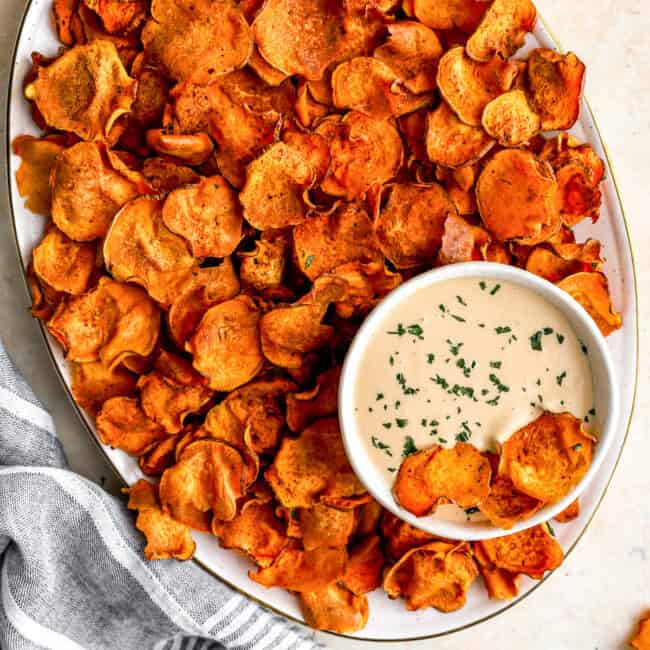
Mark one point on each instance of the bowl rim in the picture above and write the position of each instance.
(499, 272)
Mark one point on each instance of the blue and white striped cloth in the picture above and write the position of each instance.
(72, 574)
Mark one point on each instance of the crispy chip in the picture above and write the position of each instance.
(468, 87)
(197, 42)
(101, 93)
(226, 344)
(565, 149)
(532, 551)
(500, 584)
(303, 408)
(564, 260)
(449, 14)
(370, 514)
(63, 264)
(410, 226)
(89, 186)
(335, 609)
(510, 120)
(322, 526)
(641, 640)
(264, 267)
(401, 537)
(363, 572)
(571, 512)
(94, 383)
(547, 458)
(38, 156)
(452, 143)
(165, 175)
(303, 571)
(590, 290)
(150, 99)
(308, 110)
(425, 479)
(502, 30)
(413, 128)
(301, 476)
(65, 16)
(505, 506)
(122, 424)
(206, 215)
(517, 196)
(462, 241)
(160, 457)
(166, 538)
(119, 16)
(438, 575)
(554, 84)
(365, 153)
(193, 149)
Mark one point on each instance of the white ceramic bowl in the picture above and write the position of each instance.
(606, 394)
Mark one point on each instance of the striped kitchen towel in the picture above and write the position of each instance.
(72, 573)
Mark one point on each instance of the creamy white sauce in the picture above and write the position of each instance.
(467, 360)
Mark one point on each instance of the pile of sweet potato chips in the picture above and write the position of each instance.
(230, 188)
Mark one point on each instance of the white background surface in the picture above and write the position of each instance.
(593, 601)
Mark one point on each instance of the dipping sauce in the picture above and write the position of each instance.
(467, 360)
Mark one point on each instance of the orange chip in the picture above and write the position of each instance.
(303, 408)
(500, 584)
(641, 641)
(302, 476)
(571, 512)
(438, 575)
(288, 334)
(206, 215)
(325, 241)
(45, 300)
(93, 383)
(303, 571)
(502, 30)
(370, 86)
(580, 199)
(453, 143)
(468, 87)
(308, 110)
(517, 196)
(264, 267)
(314, 148)
(89, 185)
(547, 458)
(412, 51)
(590, 290)
(122, 424)
(199, 42)
(426, 478)
(193, 149)
(140, 248)
(505, 506)
(365, 153)
(63, 264)
(413, 128)
(363, 572)
(510, 120)
(410, 226)
(554, 84)
(449, 14)
(166, 538)
(564, 260)
(565, 149)
(369, 517)
(264, 70)
(335, 609)
(161, 456)
(38, 156)
(255, 531)
(165, 175)
(65, 16)
(325, 527)
(462, 241)
(532, 551)
(226, 344)
(209, 477)
(203, 289)
(150, 99)
(102, 92)
(401, 537)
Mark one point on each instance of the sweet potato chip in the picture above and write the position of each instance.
(532, 551)
(641, 640)
(122, 424)
(425, 479)
(365, 153)
(325, 241)
(102, 90)
(150, 99)
(565, 149)
(564, 260)
(370, 515)
(64, 264)
(197, 42)
(401, 537)
(226, 344)
(449, 14)
(363, 572)
(119, 16)
(547, 458)
(590, 290)
(308, 110)
(571, 512)
(193, 149)
(410, 226)
(264, 267)
(161, 456)
(209, 476)
(335, 609)
(370, 86)
(510, 120)
(203, 289)
(505, 506)
(140, 248)
(453, 143)
(502, 30)
(302, 476)
(468, 87)
(554, 85)
(303, 571)
(304, 407)
(255, 531)
(65, 16)
(38, 156)
(438, 575)
(462, 241)
(165, 175)
(517, 196)
(206, 215)
(325, 527)
(89, 186)
(166, 538)
(412, 51)
(580, 199)
(94, 383)
(500, 584)
(172, 391)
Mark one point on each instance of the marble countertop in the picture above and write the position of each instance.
(594, 600)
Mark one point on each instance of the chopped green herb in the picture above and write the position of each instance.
(560, 338)
(423, 422)
(471, 511)
(370, 409)
(503, 329)
(577, 446)
(442, 440)
(548, 330)
(442, 308)
(496, 288)
(431, 358)
(462, 437)
(550, 529)
(494, 401)
(380, 396)
(461, 391)
(387, 425)
(461, 301)
(583, 347)
(400, 331)
(481, 325)
(409, 446)
(501, 387)
(592, 411)
(308, 260)
(392, 469)
(561, 377)
(391, 360)
(378, 444)
(460, 319)
(536, 341)
(416, 330)
(454, 348)
(407, 390)
(401, 422)
(398, 404)
(482, 285)
(495, 364)
(440, 381)
(539, 381)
